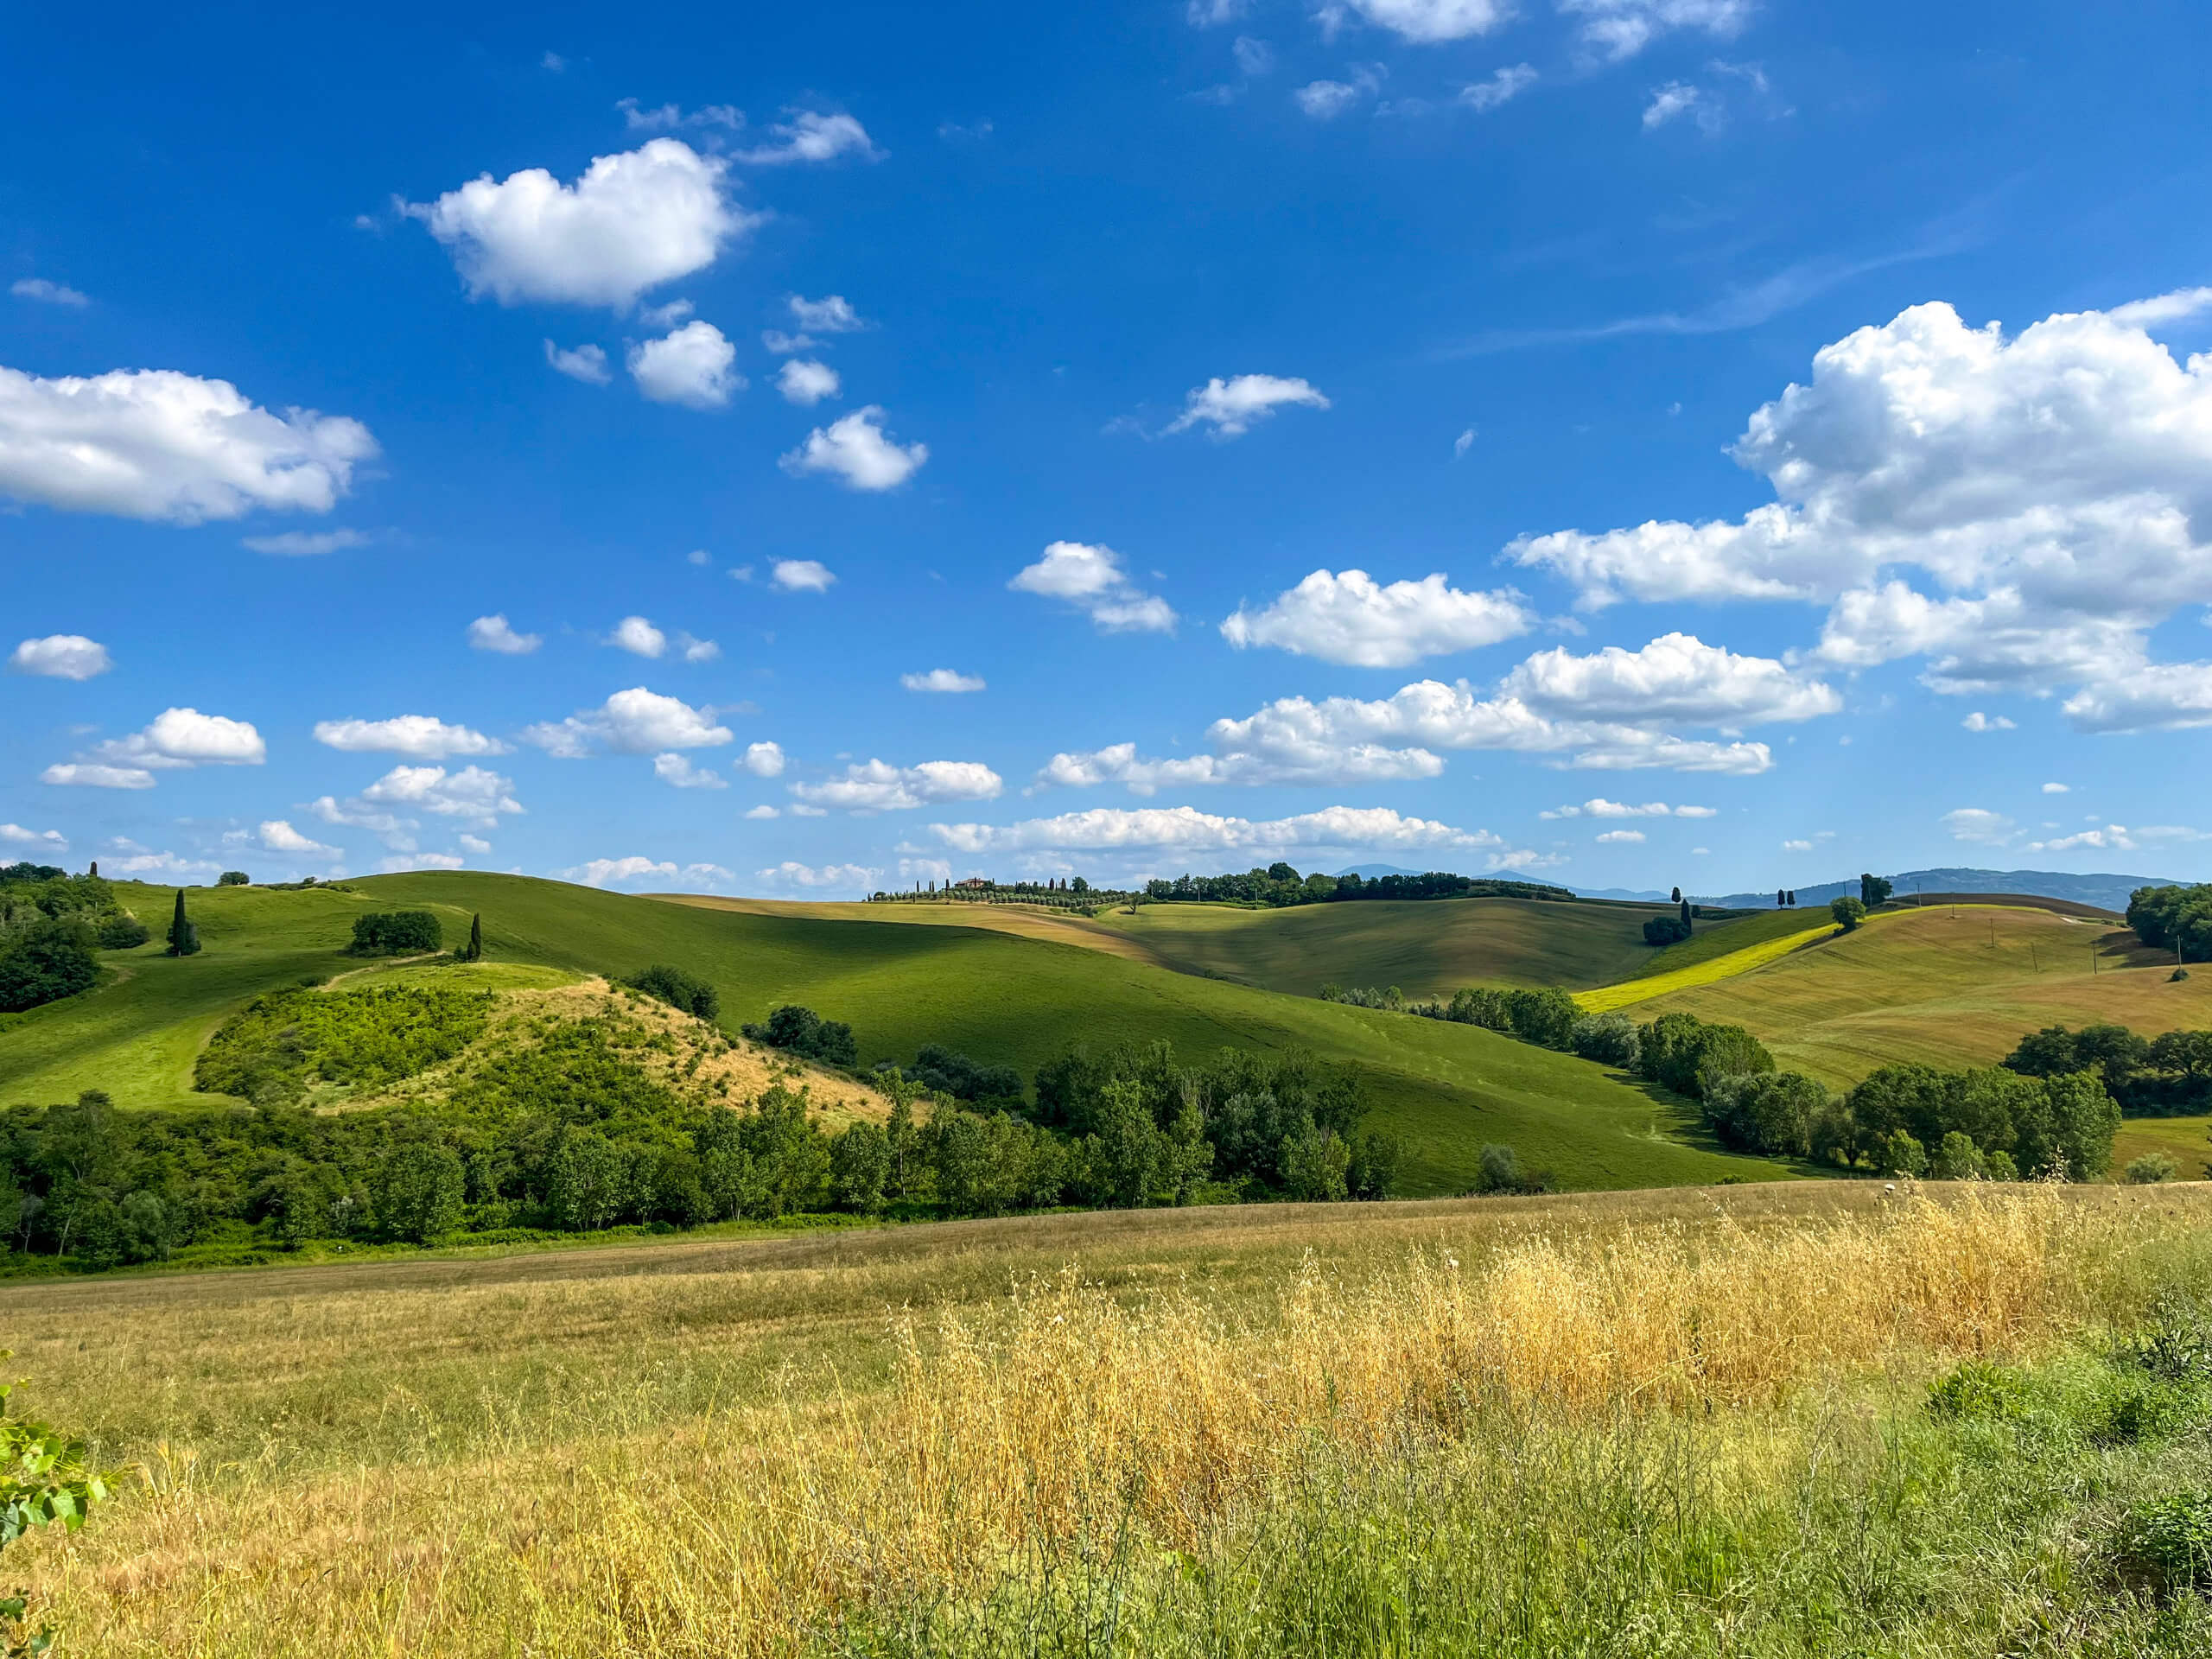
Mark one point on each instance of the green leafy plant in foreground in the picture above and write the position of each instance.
(43, 1481)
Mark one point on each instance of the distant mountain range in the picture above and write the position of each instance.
(2105, 892)
(1370, 872)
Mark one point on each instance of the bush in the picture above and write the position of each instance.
(121, 932)
(801, 1031)
(396, 933)
(687, 992)
(1957, 1159)
(50, 959)
(1979, 1391)
(1766, 1112)
(1902, 1154)
(2164, 1544)
(938, 1068)
(2151, 1168)
(1665, 931)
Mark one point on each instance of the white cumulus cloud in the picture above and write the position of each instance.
(423, 736)
(635, 721)
(638, 637)
(1615, 836)
(278, 836)
(1979, 825)
(855, 450)
(1349, 618)
(809, 135)
(859, 878)
(1503, 85)
(176, 738)
(1978, 721)
(476, 795)
(162, 446)
(1601, 808)
(801, 576)
(631, 222)
(47, 293)
(50, 841)
(1429, 22)
(61, 656)
(88, 775)
(1325, 100)
(1090, 578)
(1185, 830)
(692, 366)
(878, 786)
(586, 363)
(1231, 408)
(942, 679)
(764, 759)
(678, 771)
(1615, 29)
(2021, 512)
(806, 382)
(494, 633)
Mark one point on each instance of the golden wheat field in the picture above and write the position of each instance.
(741, 1447)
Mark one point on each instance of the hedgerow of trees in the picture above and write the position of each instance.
(2166, 1075)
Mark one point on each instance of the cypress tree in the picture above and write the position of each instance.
(1676, 895)
(475, 939)
(1686, 911)
(184, 938)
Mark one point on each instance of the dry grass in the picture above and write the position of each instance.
(704, 1454)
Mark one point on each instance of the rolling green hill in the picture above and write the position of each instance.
(1429, 948)
(1950, 985)
(1000, 997)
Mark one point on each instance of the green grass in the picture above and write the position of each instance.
(1006, 1000)
(1710, 940)
(1947, 986)
(1426, 949)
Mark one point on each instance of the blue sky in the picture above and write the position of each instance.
(801, 453)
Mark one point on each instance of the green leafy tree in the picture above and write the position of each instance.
(233, 878)
(1902, 1154)
(1497, 1169)
(1957, 1159)
(475, 951)
(1874, 890)
(1316, 1166)
(396, 933)
(2151, 1168)
(120, 933)
(1848, 911)
(418, 1190)
(860, 1165)
(45, 962)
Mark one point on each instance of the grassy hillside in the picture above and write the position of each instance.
(1426, 949)
(1950, 985)
(1000, 998)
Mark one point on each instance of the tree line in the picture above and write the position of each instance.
(2175, 918)
(52, 927)
(1279, 885)
(2046, 1111)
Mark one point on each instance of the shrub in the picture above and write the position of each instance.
(121, 932)
(2151, 1168)
(803, 1032)
(1315, 1165)
(940, 1069)
(396, 933)
(2164, 1544)
(1665, 931)
(1979, 1390)
(673, 985)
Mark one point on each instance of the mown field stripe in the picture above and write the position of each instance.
(1608, 997)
